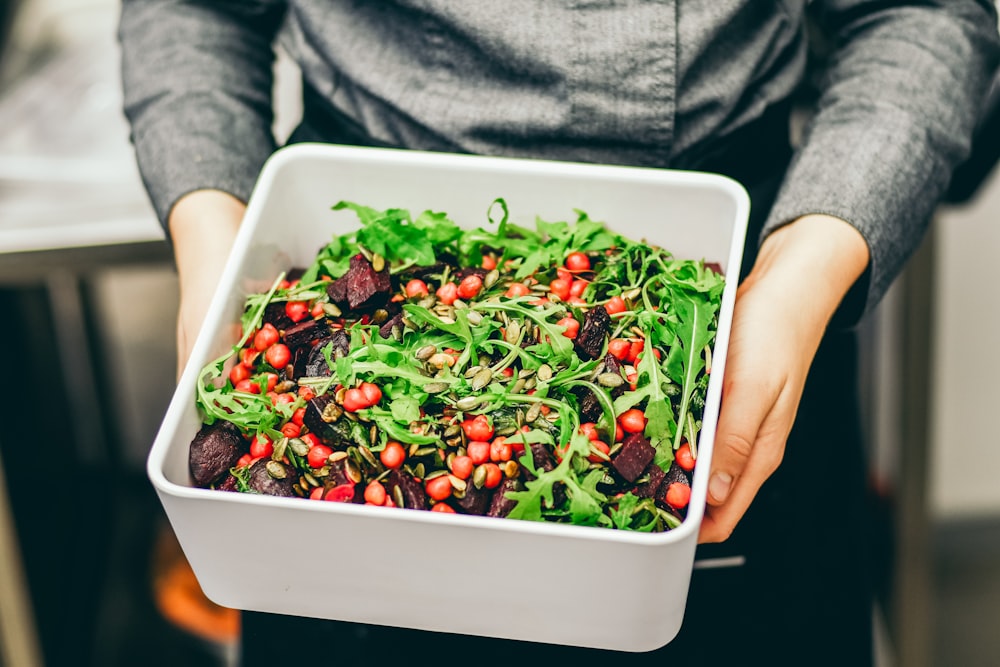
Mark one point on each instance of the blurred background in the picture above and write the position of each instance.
(88, 299)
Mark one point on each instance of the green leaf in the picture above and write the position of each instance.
(405, 409)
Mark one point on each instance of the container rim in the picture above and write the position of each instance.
(289, 154)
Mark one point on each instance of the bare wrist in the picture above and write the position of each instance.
(815, 260)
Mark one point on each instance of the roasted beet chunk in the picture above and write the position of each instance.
(543, 461)
(322, 418)
(272, 478)
(635, 454)
(214, 450)
(385, 331)
(476, 500)
(410, 489)
(315, 363)
(337, 290)
(306, 332)
(275, 315)
(365, 286)
(228, 483)
(590, 407)
(501, 505)
(651, 487)
(676, 474)
(612, 365)
(590, 340)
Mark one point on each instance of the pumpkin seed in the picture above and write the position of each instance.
(632, 294)
(530, 383)
(425, 451)
(544, 373)
(366, 252)
(352, 471)
(490, 279)
(610, 380)
(426, 352)
(479, 476)
(380, 316)
(276, 469)
(482, 378)
(452, 431)
(397, 333)
(513, 332)
(458, 304)
(309, 479)
(517, 387)
(539, 287)
(475, 317)
(299, 491)
(511, 469)
(332, 310)
(435, 387)
(508, 430)
(397, 496)
(427, 302)
(297, 445)
(440, 360)
(418, 470)
(378, 263)
(331, 412)
(338, 455)
(285, 386)
(368, 456)
(471, 372)
(457, 484)
(469, 403)
(533, 412)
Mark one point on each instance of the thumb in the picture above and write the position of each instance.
(745, 406)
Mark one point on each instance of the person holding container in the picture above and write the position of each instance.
(673, 84)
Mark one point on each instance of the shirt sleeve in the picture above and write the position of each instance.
(899, 99)
(197, 79)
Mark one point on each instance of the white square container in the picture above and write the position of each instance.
(387, 566)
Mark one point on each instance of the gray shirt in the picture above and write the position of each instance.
(658, 84)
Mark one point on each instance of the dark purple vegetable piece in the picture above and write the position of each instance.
(214, 450)
(322, 418)
(306, 332)
(636, 453)
(501, 505)
(295, 273)
(386, 329)
(337, 290)
(365, 286)
(476, 500)
(612, 365)
(228, 483)
(262, 480)
(314, 363)
(589, 406)
(274, 313)
(676, 474)
(412, 490)
(651, 487)
(466, 271)
(347, 490)
(590, 340)
(543, 461)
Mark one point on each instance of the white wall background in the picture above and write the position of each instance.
(965, 421)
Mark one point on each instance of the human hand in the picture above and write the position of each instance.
(203, 226)
(802, 273)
